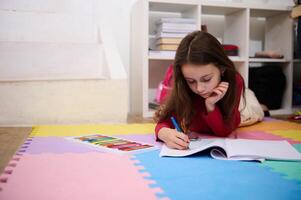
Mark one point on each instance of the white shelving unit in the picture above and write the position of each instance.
(268, 60)
(230, 23)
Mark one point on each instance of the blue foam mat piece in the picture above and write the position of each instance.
(201, 177)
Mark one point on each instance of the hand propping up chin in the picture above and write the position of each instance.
(217, 94)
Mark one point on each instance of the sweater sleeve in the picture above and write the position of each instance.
(215, 120)
(167, 123)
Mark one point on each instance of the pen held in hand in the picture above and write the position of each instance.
(176, 125)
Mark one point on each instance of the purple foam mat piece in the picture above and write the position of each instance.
(57, 145)
(62, 145)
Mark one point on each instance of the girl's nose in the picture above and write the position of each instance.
(200, 87)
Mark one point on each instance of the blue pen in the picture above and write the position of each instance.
(174, 122)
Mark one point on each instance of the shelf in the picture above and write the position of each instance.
(267, 60)
(170, 55)
(215, 9)
(264, 9)
(223, 4)
(268, 11)
(297, 60)
(281, 112)
(237, 59)
(176, 7)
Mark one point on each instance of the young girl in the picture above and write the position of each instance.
(205, 95)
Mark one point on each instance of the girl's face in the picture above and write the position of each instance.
(202, 79)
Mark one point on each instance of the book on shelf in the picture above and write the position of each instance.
(174, 30)
(176, 20)
(170, 35)
(238, 149)
(177, 26)
(167, 54)
(167, 47)
(168, 41)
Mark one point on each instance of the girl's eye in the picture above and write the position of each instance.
(207, 80)
(190, 82)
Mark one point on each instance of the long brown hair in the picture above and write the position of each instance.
(198, 48)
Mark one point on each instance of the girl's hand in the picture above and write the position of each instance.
(173, 139)
(217, 94)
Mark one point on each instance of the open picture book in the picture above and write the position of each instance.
(238, 149)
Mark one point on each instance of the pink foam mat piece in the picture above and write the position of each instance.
(75, 176)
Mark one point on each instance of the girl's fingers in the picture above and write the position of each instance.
(182, 136)
(177, 144)
(223, 86)
(224, 83)
(183, 144)
(177, 140)
(180, 147)
(174, 146)
(222, 90)
(181, 139)
(218, 92)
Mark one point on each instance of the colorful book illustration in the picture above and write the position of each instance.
(238, 149)
(113, 144)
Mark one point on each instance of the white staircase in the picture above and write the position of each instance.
(58, 66)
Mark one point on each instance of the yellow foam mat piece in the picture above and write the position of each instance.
(272, 126)
(77, 130)
(292, 134)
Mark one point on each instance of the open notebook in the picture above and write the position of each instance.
(238, 149)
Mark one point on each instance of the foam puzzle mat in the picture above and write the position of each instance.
(48, 166)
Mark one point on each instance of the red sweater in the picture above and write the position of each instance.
(212, 122)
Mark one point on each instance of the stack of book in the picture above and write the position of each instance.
(170, 32)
